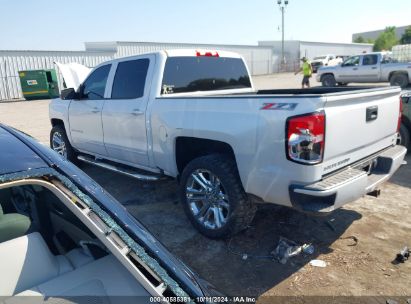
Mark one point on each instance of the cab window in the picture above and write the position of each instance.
(370, 60)
(95, 85)
(191, 74)
(352, 61)
(130, 79)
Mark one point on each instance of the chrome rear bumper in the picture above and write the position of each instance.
(349, 184)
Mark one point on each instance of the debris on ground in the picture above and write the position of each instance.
(354, 238)
(287, 249)
(403, 255)
(318, 263)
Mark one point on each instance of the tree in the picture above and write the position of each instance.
(386, 40)
(359, 39)
(406, 37)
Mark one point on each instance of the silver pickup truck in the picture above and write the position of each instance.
(366, 68)
(195, 116)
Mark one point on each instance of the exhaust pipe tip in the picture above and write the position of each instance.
(375, 193)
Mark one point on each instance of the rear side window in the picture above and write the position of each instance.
(130, 79)
(370, 60)
(191, 74)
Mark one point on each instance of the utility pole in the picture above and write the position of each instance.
(282, 4)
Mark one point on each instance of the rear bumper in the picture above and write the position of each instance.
(348, 185)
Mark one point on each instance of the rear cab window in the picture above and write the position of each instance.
(204, 73)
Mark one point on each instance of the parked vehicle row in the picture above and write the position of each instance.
(366, 68)
(195, 116)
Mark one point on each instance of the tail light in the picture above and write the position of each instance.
(399, 116)
(306, 138)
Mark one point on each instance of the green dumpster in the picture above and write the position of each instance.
(39, 84)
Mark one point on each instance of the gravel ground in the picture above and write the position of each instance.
(382, 227)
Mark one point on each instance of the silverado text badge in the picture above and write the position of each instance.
(337, 165)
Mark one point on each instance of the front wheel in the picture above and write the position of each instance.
(213, 197)
(328, 80)
(60, 143)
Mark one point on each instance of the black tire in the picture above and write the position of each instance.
(241, 209)
(404, 136)
(70, 154)
(328, 80)
(399, 79)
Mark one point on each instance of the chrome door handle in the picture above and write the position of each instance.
(355, 69)
(95, 110)
(374, 68)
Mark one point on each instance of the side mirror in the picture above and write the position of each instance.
(68, 94)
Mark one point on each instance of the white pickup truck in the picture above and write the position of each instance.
(367, 68)
(195, 116)
(326, 60)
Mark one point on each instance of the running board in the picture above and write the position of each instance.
(131, 172)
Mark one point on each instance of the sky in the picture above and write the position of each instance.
(66, 25)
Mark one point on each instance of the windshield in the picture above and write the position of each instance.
(191, 74)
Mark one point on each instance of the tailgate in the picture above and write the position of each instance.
(359, 124)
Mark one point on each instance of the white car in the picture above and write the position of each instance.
(194, 115)
(325, 60)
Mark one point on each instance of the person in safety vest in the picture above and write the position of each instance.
(307, 71)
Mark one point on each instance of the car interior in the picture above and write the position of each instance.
(46, 250)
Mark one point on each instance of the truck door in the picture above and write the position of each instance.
(369, 70)
(124, 113)
(348, 70)
(85, 114)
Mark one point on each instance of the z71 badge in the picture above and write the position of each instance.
(279, 106)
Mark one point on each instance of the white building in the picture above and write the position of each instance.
(259, 59)
(294, 50)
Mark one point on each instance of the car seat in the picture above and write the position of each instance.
(13, 225)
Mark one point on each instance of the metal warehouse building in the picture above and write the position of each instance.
(295, 49)
(13, 61)
(399, 31)
(259, 59)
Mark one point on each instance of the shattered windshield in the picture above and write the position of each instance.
(49, 173)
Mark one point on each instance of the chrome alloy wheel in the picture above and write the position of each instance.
(58, 144)
(207, 199)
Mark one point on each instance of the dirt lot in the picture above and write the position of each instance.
(382, 227)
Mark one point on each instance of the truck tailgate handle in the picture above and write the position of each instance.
(372, 113)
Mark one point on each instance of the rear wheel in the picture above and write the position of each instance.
(328, 80)
(213, 196)
(404, 136)
(60, 143)
(399, 79)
